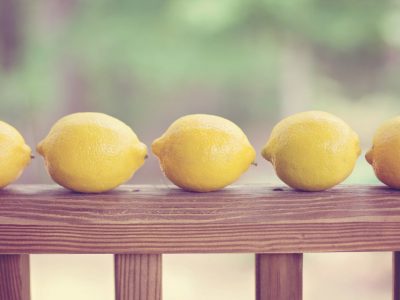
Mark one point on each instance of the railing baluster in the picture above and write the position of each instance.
(138, 276)
(14, 277)
(279, 276)
(396, 275)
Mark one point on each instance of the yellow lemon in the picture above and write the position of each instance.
(15, 155)
(384, 154)
(91, 152)
(203, 153)
(312, 151)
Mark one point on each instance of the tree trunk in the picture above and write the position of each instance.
(9, 34)
(296, 76)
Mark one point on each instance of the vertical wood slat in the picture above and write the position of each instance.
(14, 277)
(279, 276)
(396, 275)
(138, 276)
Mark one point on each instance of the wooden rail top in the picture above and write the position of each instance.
(154, 219)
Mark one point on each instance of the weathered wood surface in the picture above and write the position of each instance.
(279, 276)
(14, 277)
(138, 276)
(152, 219)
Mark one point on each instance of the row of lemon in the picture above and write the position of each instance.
(94, 152)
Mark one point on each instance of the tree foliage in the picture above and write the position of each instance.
(161, 47)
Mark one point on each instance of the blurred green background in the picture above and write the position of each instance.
(150, 62)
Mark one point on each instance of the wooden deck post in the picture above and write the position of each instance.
(14, 277)
(138, 276)
(396, 275)
(279, 276)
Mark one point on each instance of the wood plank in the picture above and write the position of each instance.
(151, 219)
(396, 275)
(138, 276)
(14, 277)
(279, 276)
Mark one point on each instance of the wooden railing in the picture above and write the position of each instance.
(140, 223)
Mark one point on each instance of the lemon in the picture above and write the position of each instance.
(384, 154)
(312, 151)
(203, 153)
(15, 155)
(91, 152)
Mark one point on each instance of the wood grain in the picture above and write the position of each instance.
(138, 276)
(396, 275)
(152, 219)
(279, 276)
(14, 277)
